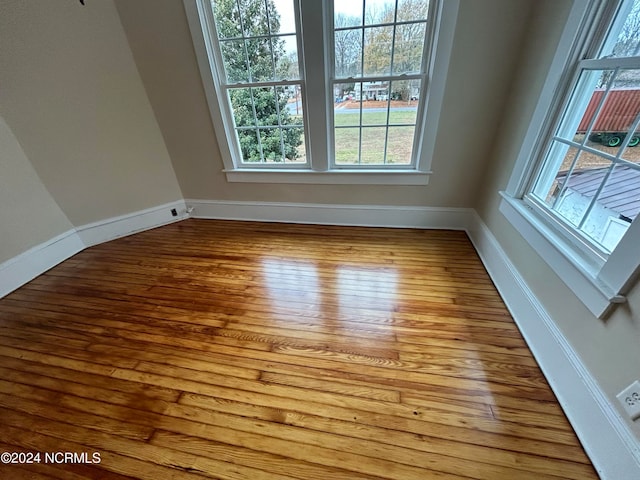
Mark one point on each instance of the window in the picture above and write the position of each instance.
(581, 189)
(329, 87)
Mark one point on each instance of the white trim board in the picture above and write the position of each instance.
(328, 214)
(23, 268)
(123, 225)
(610, 444)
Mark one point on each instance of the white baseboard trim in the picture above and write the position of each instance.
(328, 214)
(121, 226)
(609, 442)
(23, 268)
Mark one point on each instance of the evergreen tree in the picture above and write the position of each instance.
(253, 60)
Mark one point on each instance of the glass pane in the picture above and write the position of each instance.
(271, 140)
(347, 141)
(400, 145)
(632, 152)
(407, 54)
(375, 103)
(615, 207)
(285, 51)
(610, 115)
(377, 50)
(266, 105)
(249, 146)
(260, 59)
(235, 63)
(347, 13)
(294, 146)
(242, 107)
(254, 17)
(405, 94)
(373, 145)
(346, 111)
(291, 105)
(627, 43)
(569, 191)
(348, 53)
(409, 10)
(285, 17)
(379, 11)
(227, 19)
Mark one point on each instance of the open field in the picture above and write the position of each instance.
(399, 140)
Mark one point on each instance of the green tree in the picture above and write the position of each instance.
(347, 46)
(408, 43)
(258, 57)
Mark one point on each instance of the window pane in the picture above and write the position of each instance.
(377, 50)
(254, 17)
(407, 55)
(632, 152)
(347, 13)
(260, 59)
(379, 11)
(347, 142)
(404, 107)
(235, 61)
(227, 19)
(249, 146)
(348, 53)
(373, 145)
(294, 146)
(346, 111)
(400, 145)
(269, 50)
(242, 107)
(412, 10)
(291, 99)
(285, 51)
(615, 207)
(627, 43)
(286, 17)
(269, 107)
(574, 191)
(271, 140)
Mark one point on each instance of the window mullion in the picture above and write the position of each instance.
(315, 68)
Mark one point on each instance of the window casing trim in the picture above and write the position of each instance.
(598, 280)
(201, 21)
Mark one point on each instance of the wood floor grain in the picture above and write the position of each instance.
(231, 350)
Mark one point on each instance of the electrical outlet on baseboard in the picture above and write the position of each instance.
(630, 400)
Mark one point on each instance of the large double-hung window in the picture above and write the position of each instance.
(581, 188)
(334, 87)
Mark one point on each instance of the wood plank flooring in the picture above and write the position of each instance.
(231, 350)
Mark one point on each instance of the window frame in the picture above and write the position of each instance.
(319, 137)
(600, 281)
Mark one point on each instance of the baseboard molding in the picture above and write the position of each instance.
(121, 226)
(327, 214)
(28, 265)
(609, 442)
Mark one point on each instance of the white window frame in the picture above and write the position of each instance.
(600, 281)
(321, 168)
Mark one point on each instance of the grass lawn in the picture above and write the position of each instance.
(399, 139)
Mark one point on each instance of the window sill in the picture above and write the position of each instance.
(334, 177)
(582, 278)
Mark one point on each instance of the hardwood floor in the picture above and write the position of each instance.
(210, 349)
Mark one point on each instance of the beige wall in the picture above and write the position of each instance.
(609, 349)
(71, 92)
(29, 214)
(484, 50)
